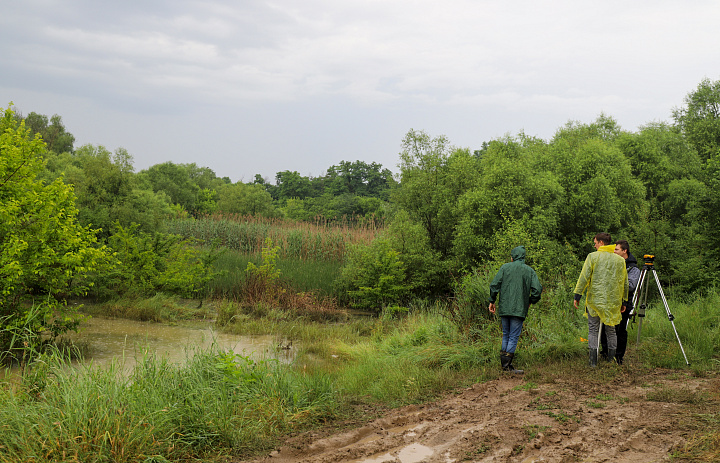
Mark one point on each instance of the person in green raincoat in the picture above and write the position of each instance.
(518, 286)
(604, 281)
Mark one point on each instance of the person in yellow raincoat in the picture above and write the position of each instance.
(604, 281)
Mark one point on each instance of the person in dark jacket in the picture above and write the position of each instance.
(518, 286)
(622, 248)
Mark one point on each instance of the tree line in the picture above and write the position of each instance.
(74, 219)
(457, 213)
(109, 190)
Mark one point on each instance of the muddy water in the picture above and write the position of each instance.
(124, 341)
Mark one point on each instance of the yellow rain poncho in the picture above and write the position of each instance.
(605, 280)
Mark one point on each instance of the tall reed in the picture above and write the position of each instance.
(304, 275)
(319, 240)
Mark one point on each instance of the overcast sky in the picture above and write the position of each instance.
(255, 86)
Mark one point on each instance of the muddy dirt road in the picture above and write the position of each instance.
(633, 417)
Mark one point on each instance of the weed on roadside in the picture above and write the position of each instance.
(476, 452)
(664, 393)
(529, 386)
(537, 404)
(532, 430)
(562, 417)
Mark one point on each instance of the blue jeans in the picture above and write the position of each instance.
(511, 327)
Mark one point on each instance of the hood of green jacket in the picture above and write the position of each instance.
(518, 253)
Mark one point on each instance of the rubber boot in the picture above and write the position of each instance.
(611, 355)
(593, 357)
(505, 361)
(510, 366)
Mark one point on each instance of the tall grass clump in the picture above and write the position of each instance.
(469, 309)
(697, 320)
(217, 403)
(161, 307)
(310, 275)
(412, 360)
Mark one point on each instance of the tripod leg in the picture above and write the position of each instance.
(638, 290)
(640, 300)
(670, 316)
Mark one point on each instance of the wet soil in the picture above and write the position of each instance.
(586, 415)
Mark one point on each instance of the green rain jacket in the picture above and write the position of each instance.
(518, 286)
(605, 279)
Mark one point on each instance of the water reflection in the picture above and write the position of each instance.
(123, 341)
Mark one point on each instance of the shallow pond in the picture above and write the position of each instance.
(110, 339)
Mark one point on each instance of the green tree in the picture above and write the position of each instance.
(295, 209)
(207, 201)
(375, 276)
(699, 121)
(710, 223)
(290, 184)
(514, 186)
(101, 185)
(359, 178)
(600, 193)
(699, 118)
(175, 181)
(205, 177)
(53, 133)
(658, 154)
(107, 189)
(246, 199)
(426, 274)
(152, 262)
(433, 175)
(670, 219)
(44, 252)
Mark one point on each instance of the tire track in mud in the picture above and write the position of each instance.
(510, 420)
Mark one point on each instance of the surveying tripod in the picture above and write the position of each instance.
(641, 296)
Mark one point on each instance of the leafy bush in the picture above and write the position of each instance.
(147, 263)
(375, 276)
(44, 252)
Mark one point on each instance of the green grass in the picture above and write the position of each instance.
(563, 417)
(698, 326)
(219, 404)
(310, 275)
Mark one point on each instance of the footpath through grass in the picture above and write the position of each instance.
(218, 404)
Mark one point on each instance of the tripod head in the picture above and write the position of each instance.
(649, 261)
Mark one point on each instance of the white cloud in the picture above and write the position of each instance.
(387, 64)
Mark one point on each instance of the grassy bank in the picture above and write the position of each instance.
(214, 405)
(219, 404)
